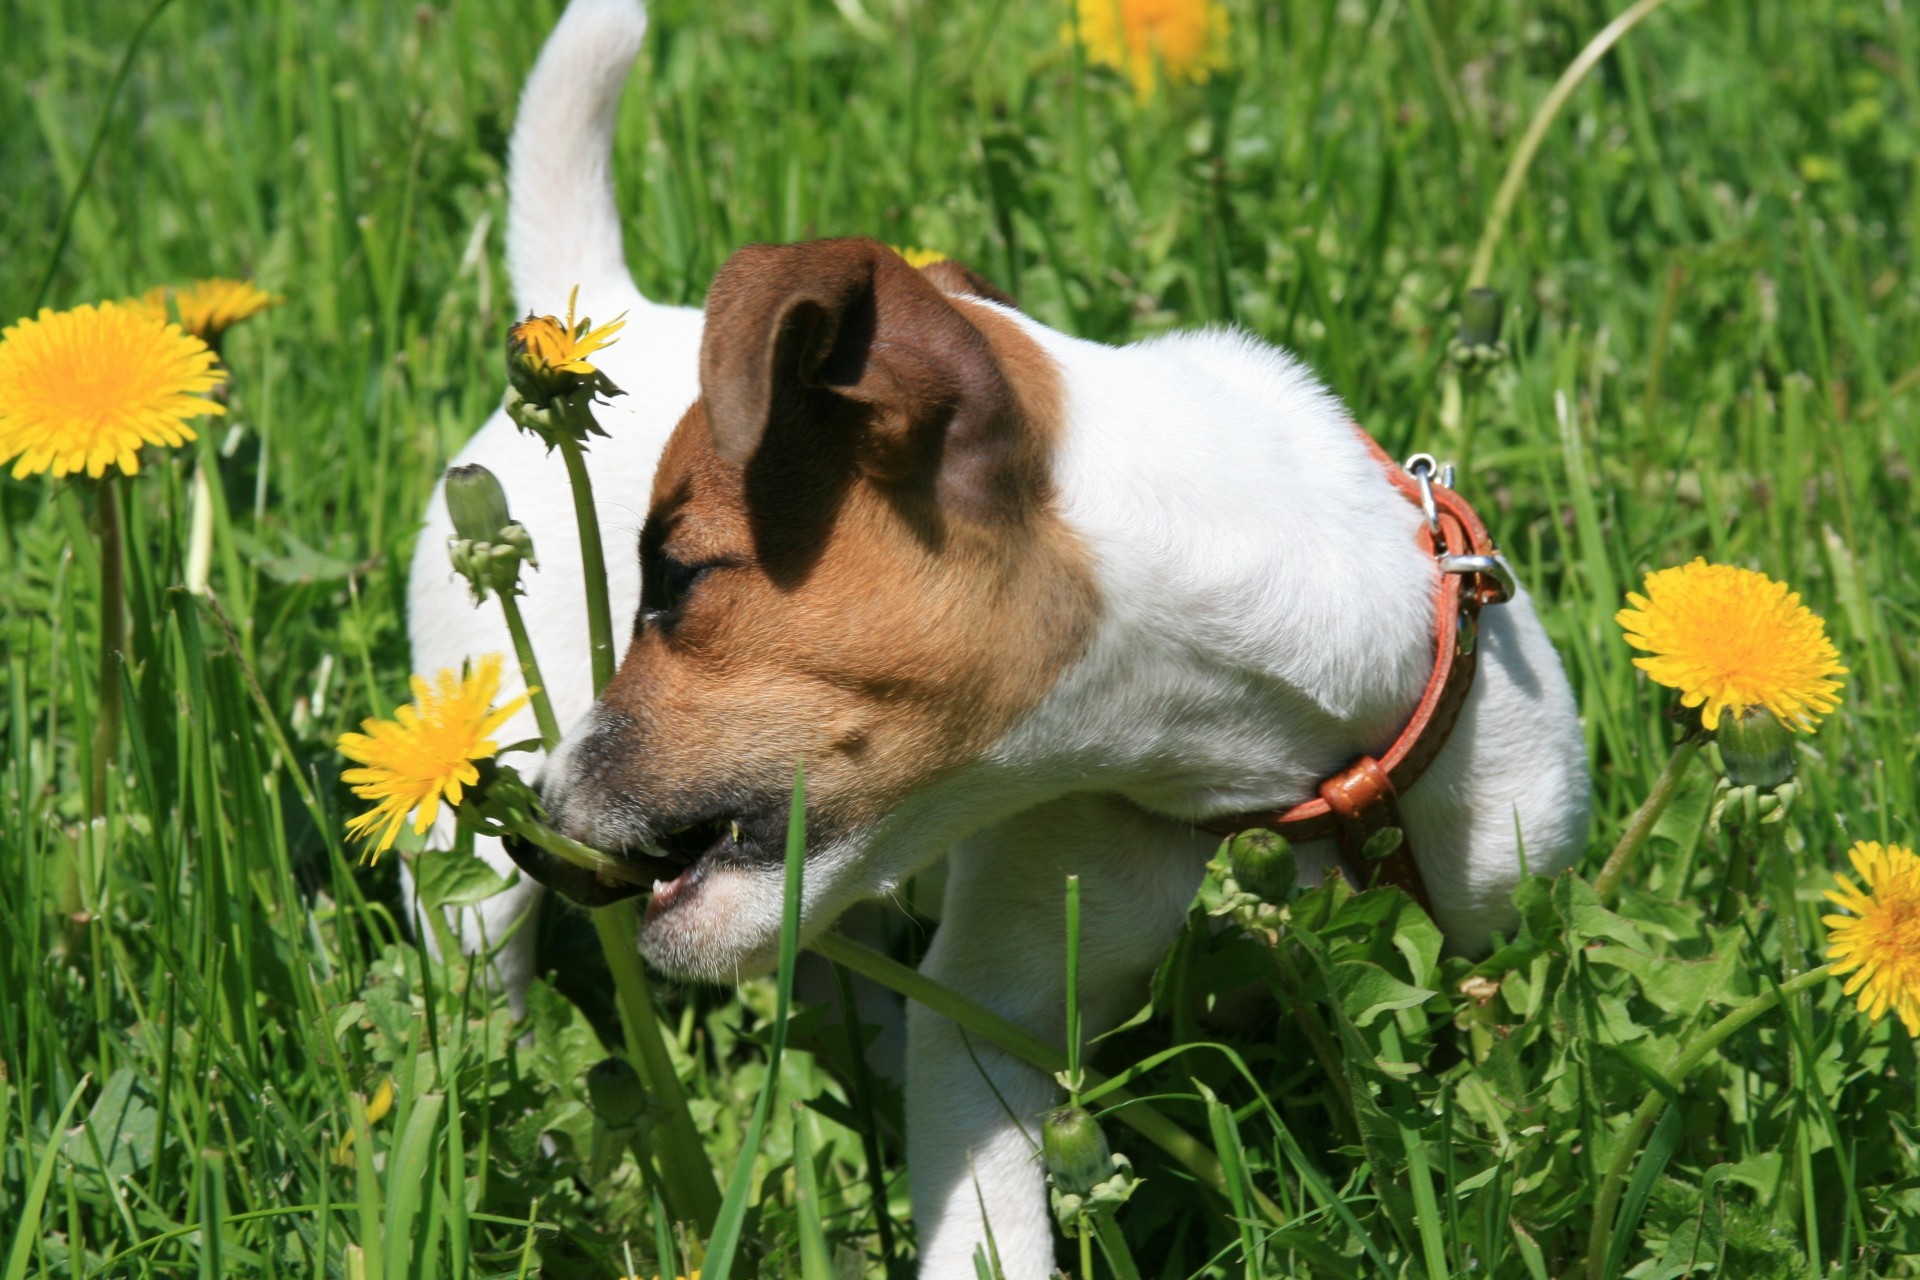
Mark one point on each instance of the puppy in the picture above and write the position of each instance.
(1036, 601)
(1046, 604)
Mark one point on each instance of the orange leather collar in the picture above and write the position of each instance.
(1361, 800)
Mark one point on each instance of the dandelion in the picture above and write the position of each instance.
(427, 752)
(1879, 944)
(208, 308)
(83, 390)
(918, 258)
(546, 348)
(1185, 39)
(1729, 639)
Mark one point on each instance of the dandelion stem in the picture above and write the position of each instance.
(1543, 117)
(530, 672)
(1600, 1240)
(593, 559)
(113, 629)
(692, 1193)
(1665, 787)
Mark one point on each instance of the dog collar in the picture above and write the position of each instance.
(1363, 799)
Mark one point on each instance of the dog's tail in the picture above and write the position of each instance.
(563, 222)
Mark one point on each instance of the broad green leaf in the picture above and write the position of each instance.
(450, 878)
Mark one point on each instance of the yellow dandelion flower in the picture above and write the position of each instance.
(209, 308)
(1879, 944)
(918, 258)
(550, 347)
(1728, 639)
(1184, 39)
(427, 752)
(82, 390)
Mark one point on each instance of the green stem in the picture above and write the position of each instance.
(593, 561)
(530, 672)
(1641, 825)
(113, 635)
(1613, 1182)
(1516, 174)
(1035, 1052)
(692, 1193)
(1777, 865)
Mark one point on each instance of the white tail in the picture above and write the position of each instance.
(563, 222)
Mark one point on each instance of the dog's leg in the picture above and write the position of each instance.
(1002, 942)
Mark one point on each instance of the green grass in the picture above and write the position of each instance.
(1714, 317)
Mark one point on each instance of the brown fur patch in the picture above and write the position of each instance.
(890, 587)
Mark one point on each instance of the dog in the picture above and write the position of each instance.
(1034, 603)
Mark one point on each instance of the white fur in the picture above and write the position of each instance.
(1264, 616)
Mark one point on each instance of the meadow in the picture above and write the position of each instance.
(224, 1053)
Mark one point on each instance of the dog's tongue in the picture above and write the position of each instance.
(564, 877)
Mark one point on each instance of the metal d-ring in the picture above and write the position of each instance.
(1494, 566)
(1423, 467)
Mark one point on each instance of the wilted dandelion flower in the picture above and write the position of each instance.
(918, 258)
(549, 347)
(82, 390)
(1186, 39)
(1879, 944)
(1728, 639)
(427, 752)
(208, 308)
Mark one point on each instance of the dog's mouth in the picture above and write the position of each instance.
(669, 866)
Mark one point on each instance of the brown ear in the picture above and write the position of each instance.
(843, 337)
(950, 276)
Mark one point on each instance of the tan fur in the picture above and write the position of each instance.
(875, 617)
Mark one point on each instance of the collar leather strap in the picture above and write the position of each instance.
(1362, 799)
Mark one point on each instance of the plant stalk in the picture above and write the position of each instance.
(1516, 175)
(1614, 1181)
(113, 636)
(1640, 826)
(692, 1193)
(530, 672)
(593, 562)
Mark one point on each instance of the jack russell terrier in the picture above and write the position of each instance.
(1037, 604)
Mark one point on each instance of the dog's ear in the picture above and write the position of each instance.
(839, 348)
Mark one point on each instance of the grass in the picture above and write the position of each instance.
(1714, 321)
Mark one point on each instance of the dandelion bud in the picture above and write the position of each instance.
(1262, 864)
(1076, 1151)
(476, 503)
(615, 1093)
(516, 536)
(487, 546)
(1756, 749)
(1477, 346)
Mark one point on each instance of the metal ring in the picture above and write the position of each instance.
(1494, 567)
(1421, 466)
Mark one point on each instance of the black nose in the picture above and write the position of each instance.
(577, 883)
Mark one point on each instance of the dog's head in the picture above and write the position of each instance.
(851, 559)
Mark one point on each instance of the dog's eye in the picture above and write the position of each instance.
(665, 584)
